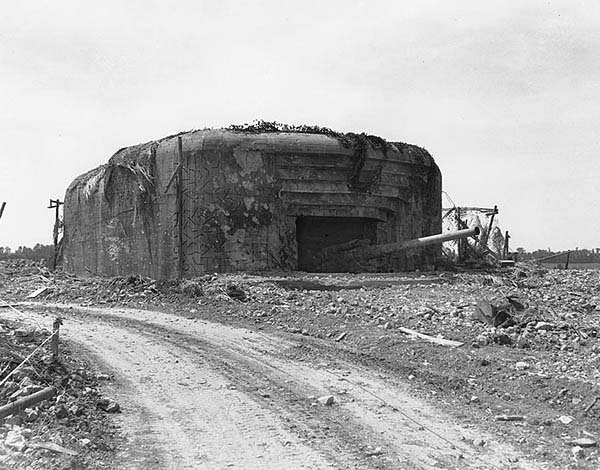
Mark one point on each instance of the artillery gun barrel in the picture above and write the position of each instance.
(373, 251)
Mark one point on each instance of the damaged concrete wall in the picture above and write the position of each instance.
(246, 201)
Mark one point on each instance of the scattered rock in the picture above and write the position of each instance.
(543, 325)
(326, 400)
(76, 410)
(235, 292)
(578, 452)
(191, 288)
(61, 411)
(509, 418)
(565, 419)
(341, 336)
(15, 440)
(584, 442)
(30, 415)
(110, 406)
(374, 452)
(522, 366)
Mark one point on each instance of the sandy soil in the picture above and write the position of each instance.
(197, 394)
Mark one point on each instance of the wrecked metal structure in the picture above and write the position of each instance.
(248, 200)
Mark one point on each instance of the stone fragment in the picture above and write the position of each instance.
(110, 406)
(374, 452)
(565, 419)
(113, 407)
(509, 418)
(578, 452)
(31, 415)
(61, 411)
(326, 400)
(15, 440)
(584, 442)
(521, 365)
(341, 336)
(544, 325)
(76, 410)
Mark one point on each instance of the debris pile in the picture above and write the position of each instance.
(519, 345)
(52, 414)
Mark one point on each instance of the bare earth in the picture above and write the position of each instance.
(197, 394)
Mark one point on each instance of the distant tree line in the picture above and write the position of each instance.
(583, 255)
(37, 253)
(46, 252)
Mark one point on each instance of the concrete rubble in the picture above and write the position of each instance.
(50, 433)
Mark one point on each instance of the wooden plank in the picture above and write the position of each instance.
(431, 339)
(27, 402)
(38, 292)
(53, 447)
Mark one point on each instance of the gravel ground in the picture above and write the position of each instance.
(540, 366)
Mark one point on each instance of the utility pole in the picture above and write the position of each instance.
(506, 250)
(55, 204)
(180, 208)
(489, 229)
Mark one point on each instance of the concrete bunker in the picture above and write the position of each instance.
(252, 199)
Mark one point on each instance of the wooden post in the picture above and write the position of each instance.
(54, 342)
(489, 229)
(55, 204)
(180, 210)
(2, 209)
(461, 242)
(568, 258)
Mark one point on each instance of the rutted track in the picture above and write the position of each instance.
(212, 396)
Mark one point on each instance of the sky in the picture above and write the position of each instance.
(504, 94)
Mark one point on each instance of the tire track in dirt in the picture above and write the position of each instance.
(371, 411)
(331, 432)
(180, 414)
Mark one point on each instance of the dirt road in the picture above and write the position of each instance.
(197, 394)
